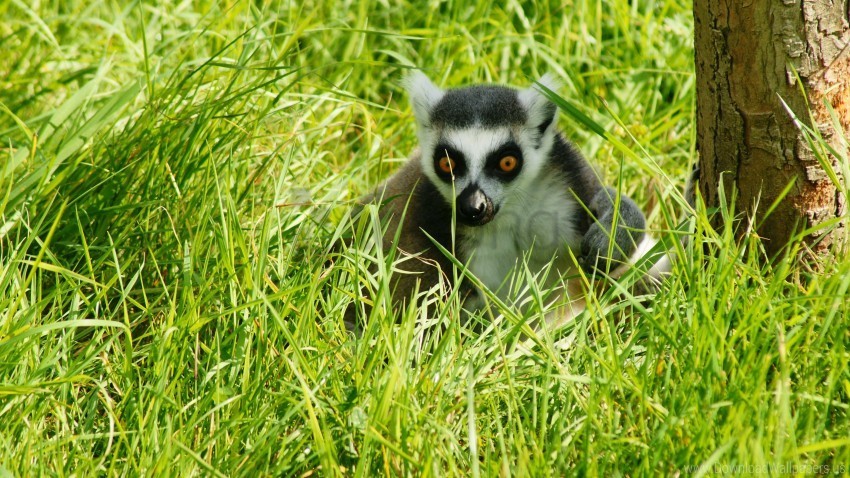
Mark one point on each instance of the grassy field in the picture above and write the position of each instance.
(172, 177)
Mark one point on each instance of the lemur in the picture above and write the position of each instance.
(494, 181)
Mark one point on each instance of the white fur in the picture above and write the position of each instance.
(538, 106)
(424, 95)
(659, 270)
(535, 223)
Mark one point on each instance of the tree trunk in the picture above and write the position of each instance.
(746, 54)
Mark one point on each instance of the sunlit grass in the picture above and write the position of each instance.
(173, 177)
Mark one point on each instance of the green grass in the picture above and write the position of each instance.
(173, 176)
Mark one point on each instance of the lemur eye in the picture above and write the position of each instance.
(446, 164)
(508, 164)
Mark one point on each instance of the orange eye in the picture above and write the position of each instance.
(508, 164)
(446, 164)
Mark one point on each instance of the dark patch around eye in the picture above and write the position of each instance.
(442, 150)
(508, 149)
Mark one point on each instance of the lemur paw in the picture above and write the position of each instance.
(597, 253)
(603, 250)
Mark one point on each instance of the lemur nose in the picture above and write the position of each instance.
(474, 206)
(472, 209)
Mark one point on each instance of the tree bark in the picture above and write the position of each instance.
(746, 54)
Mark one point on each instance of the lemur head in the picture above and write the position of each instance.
(481, 144)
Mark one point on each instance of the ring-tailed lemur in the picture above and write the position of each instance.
(492, 163)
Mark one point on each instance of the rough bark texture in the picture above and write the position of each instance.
(746, 54)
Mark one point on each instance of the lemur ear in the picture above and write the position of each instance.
(424, 95)
(541, 112)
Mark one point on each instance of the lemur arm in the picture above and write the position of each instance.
(597, 252)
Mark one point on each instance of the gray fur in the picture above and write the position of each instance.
(597, 252)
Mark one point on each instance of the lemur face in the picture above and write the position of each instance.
(481, 145)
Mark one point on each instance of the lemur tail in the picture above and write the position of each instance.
(663, 266)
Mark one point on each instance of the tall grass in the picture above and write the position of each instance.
(174, 174)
